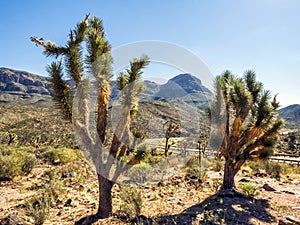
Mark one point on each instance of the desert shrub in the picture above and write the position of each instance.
(217, 165)
(57, 156)
(139, 173)
(248, 188)
(143, 151)
(15, 162)
(255, 166)
(38, 208)
(9, 167)
(194, 162)
(153, 159)
(216, 184)
(131, 202)
(272, 168)
(28, 163)
(288, 168)
(200, 174)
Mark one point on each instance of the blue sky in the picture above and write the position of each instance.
(262, 35)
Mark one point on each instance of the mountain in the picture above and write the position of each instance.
(22, 86)
(186, 88)
(291, 114)
(183, 87)
(26, 87)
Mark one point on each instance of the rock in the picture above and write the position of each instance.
(288, 192)
(68, 202)
(261, 175)
(245, 171)
(245, 180)
(267, 187)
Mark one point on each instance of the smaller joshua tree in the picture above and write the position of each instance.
(245, 121)
(104, 150)
(172, 130)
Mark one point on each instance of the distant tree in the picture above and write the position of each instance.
(97, 60)
(246, 122)
(12, 138)
(172, 129)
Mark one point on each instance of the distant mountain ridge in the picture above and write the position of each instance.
(291, 114)
(20, 85)
(17, 85)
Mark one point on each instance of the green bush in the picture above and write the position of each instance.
(248, 188)
(15, 162)
(57, 156)
(143, 151)
(131, 202)
(196, 172)
(255, 166)
(139, 173)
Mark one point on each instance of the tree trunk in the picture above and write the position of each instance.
(229, 174)
(167, 147)
(105, 199)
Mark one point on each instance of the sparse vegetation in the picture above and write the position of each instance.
(15, 162)
(248, 188)
(131, 202)
(57, 156)
(38, 208)
(139, 173)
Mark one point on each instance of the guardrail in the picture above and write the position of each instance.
(279, 157)
(286, 160)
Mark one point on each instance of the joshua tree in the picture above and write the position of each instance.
(103, 151)
(245, 120)
(172, 130)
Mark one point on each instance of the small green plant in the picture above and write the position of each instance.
(248, 188)
(143, 151)
(38, 208)
(131, 202)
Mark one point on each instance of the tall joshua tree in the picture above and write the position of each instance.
(245, 120)
(97, 62)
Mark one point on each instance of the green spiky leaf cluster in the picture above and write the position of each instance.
(129, 83)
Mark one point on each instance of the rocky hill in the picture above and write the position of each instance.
(183, 87)
(22, 86)
(26, 87)
(291, 114)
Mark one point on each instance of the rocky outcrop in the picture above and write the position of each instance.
(16, 85)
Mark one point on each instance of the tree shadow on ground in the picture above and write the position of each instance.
(221, 208)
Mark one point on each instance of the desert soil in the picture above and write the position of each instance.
(177, 200)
